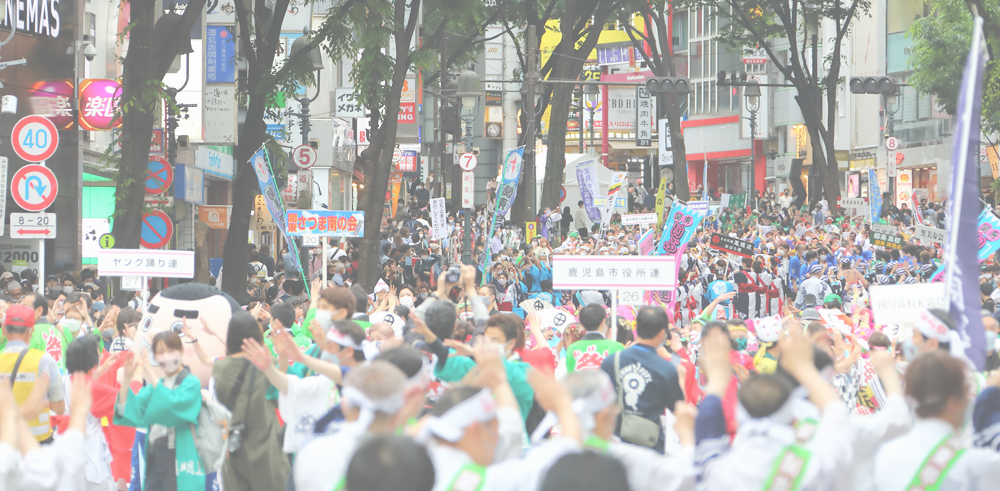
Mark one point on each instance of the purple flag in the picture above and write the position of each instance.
(962, 274)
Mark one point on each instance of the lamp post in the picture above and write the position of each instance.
(591, 90)
(315, 61)
(752, 94)
(469, 89)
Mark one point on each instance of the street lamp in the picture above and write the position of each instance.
(591, 90)
(315, 60)
(752, 94)
(469, 89)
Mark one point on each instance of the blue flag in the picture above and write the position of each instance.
(874, 196)
(961, 251)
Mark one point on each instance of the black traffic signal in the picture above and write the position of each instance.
(449, 120)
(668, 85)
(874, 85)
(735, 78)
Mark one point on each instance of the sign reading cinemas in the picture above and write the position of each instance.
(731, 245)
(39, 17)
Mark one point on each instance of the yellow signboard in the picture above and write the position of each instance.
(530, 231)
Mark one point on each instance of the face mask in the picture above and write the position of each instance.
(324, 318)
(406, 301)
(330, 358)
(169, 362)
(71, 324)
(991, 342)
(741, 343)
(68, 289)
(501, 282)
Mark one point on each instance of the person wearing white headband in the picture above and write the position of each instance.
(935, 454)
(932, 331)
(767, 452)
(374, 396)
(595, 403)
(463, 434)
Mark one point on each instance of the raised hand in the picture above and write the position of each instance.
(257, 354)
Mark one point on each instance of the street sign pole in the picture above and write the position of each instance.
(324, 239)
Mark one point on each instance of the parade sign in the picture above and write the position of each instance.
(326, 223)
(439, 218)
(731, 245)
(508, 180)
(639, 219)
(613, 272)
(885, 229)
(930, 234)
(898, 304)
(586, 179)
(886, 240)
(144, 262)
(989, 234)
(269, 191)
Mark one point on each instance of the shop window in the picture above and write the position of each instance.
(680, 31)
(900, 14)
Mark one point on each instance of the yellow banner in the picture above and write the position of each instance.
(396, 181)
(661, 195)
(530, 231)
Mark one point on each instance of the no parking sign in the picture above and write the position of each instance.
(157, 229)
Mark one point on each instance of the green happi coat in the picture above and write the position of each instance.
(176, 409)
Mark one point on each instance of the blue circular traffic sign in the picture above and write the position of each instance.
(157, 229)
(159, 175)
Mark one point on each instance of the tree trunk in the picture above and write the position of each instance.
(143, 69)
(555, 160)
(379, 153)
(681, 190)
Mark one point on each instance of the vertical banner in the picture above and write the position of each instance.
(961, 281)
(874, 195)
(586, 179)
(510, 175)
(439, 218)
(904, 187)
(989, 234)
(665, 150)
(643, 117)
(661, 195)
(617, 183)
(677, 232)
(646, 244)
(269, 190)
(396, 182)
(530, 231)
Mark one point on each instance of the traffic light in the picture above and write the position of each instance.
(874, 85)
(735, 78)
(667, 85)
(449, 120)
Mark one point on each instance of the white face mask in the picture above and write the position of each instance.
(406, 301)
(169, 362)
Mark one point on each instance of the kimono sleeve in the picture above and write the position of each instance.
(454, 368)
(166, 407)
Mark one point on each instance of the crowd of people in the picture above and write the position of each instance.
(768, 370)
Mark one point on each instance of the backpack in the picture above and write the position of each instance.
(211, 433)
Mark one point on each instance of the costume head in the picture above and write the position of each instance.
(191, 301)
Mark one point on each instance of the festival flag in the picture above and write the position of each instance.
(261, 164)
(587, 180)
(874, 196)
(510, 176)
(617, 182)
(915, 204)
(962, 294)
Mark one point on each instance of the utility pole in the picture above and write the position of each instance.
(528, 105)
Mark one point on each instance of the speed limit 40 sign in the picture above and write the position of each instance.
(35, 138)
(304, 156)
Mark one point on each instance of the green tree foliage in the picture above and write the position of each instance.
(940, 47)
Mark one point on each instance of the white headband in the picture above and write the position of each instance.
(584, 407)
(366, 347)
(355, 398)
(451, 425)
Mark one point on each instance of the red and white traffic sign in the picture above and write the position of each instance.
(32, 225)
(891, 143)
(467, 161)
(35, 138)
(34, 187)
(468, 188)
(304, 156)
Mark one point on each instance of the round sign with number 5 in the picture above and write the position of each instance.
(35, 138)
(304, 156)
(467, 161)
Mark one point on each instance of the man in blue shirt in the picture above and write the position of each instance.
(649, 384)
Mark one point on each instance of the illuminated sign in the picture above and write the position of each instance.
(34, 16)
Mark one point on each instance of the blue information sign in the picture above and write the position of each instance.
(220, 55)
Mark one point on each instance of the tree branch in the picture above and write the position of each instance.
(244, 24)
